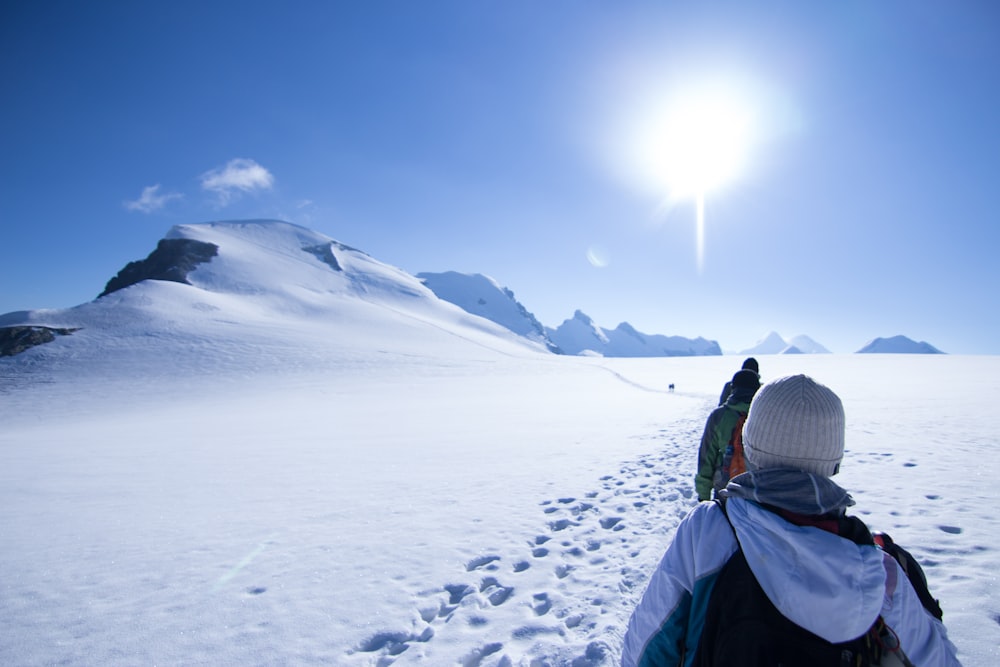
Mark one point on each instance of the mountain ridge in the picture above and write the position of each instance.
(226, 257)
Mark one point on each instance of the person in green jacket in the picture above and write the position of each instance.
(719, 430)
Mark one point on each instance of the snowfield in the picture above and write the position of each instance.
(482, 512)
(345, 470)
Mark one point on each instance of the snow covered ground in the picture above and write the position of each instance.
(307, 458)
(387, 510)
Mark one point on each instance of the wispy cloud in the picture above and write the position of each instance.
(151, 200)
(239, 175)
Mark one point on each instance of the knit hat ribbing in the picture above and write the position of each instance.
(795, 422)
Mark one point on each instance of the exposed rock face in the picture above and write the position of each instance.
(172, 260)
(324, 252)
(14, 340)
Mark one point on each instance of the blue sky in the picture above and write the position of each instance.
(514, 139)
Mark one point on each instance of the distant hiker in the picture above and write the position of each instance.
(720, 456)
(670, 386)
(749, 364)
(775, 572)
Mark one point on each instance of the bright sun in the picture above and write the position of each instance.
(700, 146)
(696, 142)
(692, 143)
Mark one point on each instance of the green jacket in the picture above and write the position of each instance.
(718, 430)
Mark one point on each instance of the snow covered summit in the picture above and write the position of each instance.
(898, 345)
(241, 294)
(483, 296)
(773, 343)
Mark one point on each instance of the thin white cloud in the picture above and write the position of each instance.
(151, 200)
(239, 175)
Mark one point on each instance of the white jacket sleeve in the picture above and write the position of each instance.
(662, 630)
(922, 638)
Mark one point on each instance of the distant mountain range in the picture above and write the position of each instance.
(277, 269)
(483, 296)
(773, 343)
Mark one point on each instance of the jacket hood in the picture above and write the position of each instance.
(824, 583)
(793, 490)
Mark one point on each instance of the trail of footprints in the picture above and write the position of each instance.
(583, 538)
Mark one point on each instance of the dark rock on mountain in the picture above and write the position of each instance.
(324, 253)
(14, 340)
(172, 260)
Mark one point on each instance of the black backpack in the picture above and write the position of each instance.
(743, 627)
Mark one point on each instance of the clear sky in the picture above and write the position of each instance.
(531, 141)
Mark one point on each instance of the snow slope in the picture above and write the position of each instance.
(353, 472)
(271, 285)
(483, 296)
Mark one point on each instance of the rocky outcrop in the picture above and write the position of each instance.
(14, 340)
(172, 260)
(324, 253)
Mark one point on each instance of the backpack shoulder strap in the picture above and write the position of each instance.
(914, 573)
(721, 502)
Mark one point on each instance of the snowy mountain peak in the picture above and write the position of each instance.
(898, 345)
(773, 343)
(807, 345)
(228, 294)
(483, 296)
(281, 259)
(580, 335)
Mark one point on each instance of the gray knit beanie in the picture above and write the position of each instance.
(795, 422)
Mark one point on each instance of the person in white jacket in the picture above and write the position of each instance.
(782, 511)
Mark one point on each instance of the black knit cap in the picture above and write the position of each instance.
(746, 379)
(750, 364)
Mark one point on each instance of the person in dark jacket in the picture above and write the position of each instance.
(749, 364)
(718, 431)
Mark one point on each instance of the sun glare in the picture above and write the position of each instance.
(688, 144)
(698, 144)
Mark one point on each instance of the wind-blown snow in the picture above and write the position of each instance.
(352, 472)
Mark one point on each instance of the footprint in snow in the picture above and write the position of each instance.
(489, 562)
(477, 655)
(576, 537)
(494, 591)
(541, 604)
(561, 524)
